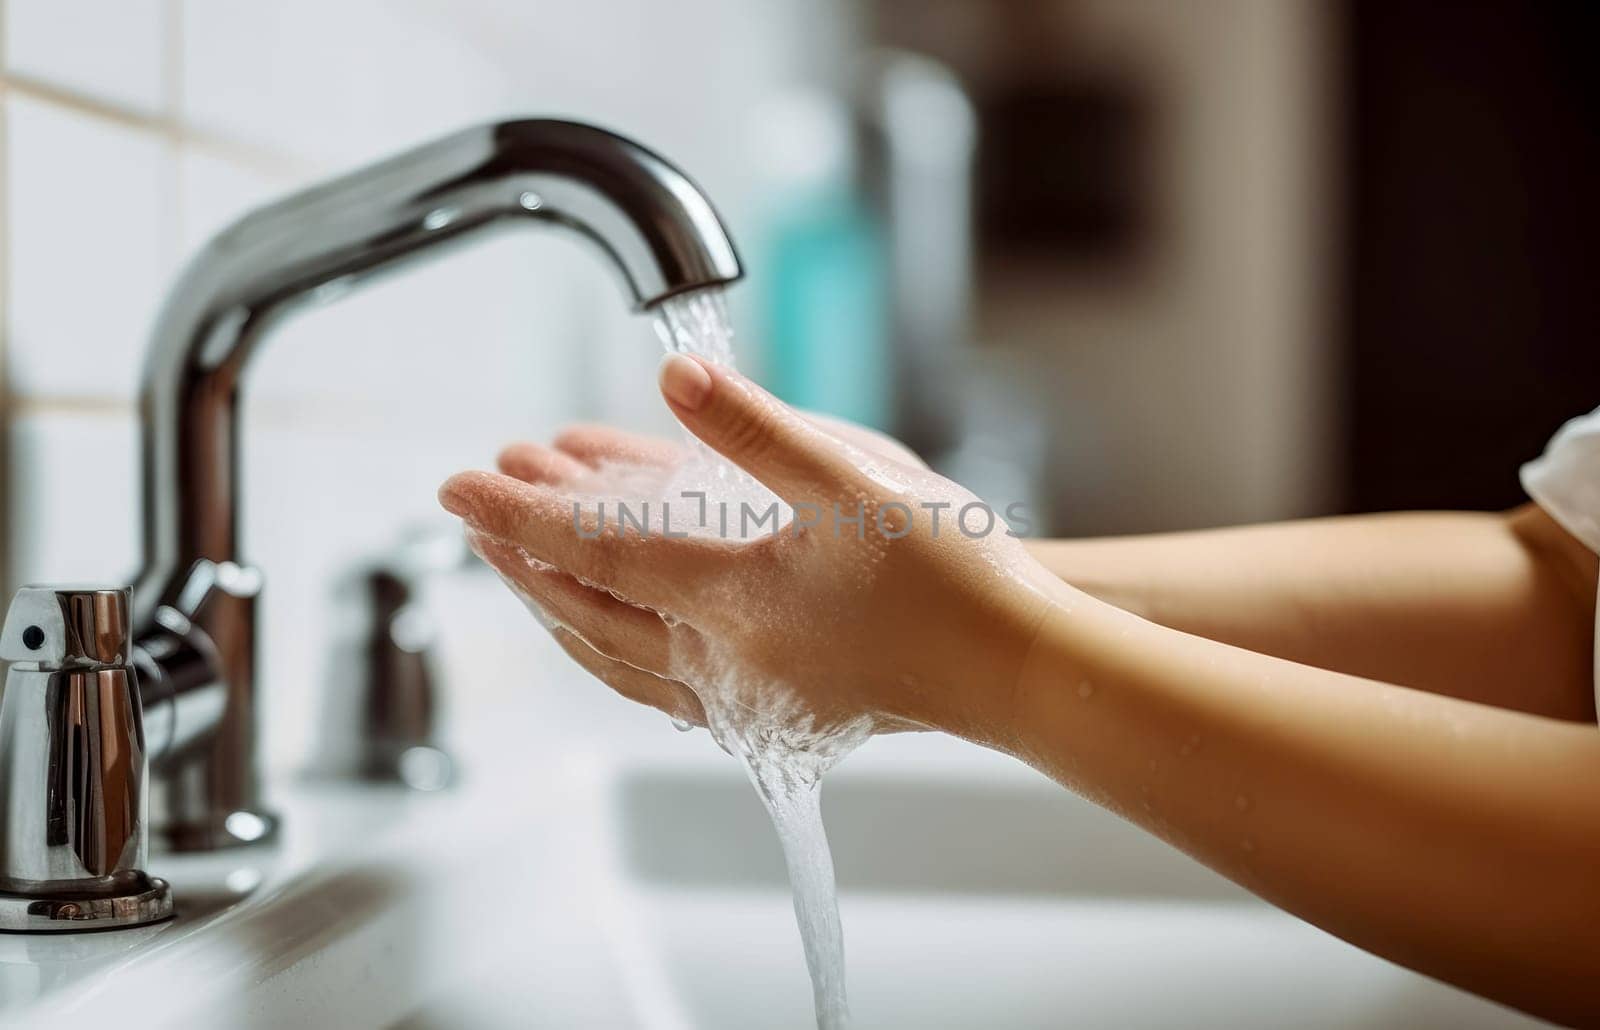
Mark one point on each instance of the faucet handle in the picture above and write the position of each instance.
(68, 626)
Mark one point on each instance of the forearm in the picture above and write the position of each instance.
(1451, 837)
(1490, 608)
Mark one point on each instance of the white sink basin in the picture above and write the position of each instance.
(976, 894)
(596, 869)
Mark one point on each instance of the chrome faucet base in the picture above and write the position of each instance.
(74, 765)
(135, 899)
(76, 751)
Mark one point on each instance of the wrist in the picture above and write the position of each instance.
(1072, 674)
(987, 643)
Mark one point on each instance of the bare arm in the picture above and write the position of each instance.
(1454, 838)
(1491, 608)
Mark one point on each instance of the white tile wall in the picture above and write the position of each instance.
(460, 341)
(128, 141)
(335, 81)
(108, 49)
(74, 475)
(91, 217)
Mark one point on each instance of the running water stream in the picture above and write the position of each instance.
(782, 745)
(783, 750)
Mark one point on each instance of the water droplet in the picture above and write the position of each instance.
(682, 725)
(1085, 689)
(531, 201)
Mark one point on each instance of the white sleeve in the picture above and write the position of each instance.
(1565, 482)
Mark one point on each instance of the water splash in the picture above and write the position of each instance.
(697, 323)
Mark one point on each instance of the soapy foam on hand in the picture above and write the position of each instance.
(782, 746)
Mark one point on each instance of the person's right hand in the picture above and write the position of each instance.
(917, 627)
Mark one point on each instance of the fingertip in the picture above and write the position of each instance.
(577, 437)
(487, 500)
(459, 495)
(685, 381)
(515, 459)
(533, 463)
(750, 427)
(591, 446)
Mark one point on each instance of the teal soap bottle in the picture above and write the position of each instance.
(822, 284)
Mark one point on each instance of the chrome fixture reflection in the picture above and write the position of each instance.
(73, 767)
(195, 596)
(387, 661)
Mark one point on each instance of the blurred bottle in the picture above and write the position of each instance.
(915, 135)
(820, 266)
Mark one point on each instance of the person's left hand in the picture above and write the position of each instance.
(580, 450)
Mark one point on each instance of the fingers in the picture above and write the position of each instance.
(670, 696)
(532, 463)
(616, 642)
(593, 445)
(578, 451)
(650, 568)
(616, 629)
(754, 430)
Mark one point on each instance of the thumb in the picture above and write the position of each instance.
(753, 429)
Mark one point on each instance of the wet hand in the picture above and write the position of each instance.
(893, 595)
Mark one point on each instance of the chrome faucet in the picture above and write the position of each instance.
(195, 635)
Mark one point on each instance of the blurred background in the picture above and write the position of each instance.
(1140, 264)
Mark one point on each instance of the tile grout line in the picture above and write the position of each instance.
(35, 88)
(271, 410)
(167, 125)
(31, 406)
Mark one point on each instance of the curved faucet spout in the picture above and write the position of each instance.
(657, 227)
